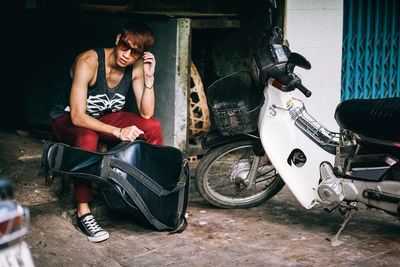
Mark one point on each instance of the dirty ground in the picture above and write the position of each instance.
(278, 232)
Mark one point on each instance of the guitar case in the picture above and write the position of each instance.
(148, 182)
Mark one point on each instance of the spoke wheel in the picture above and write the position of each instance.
(221, 177)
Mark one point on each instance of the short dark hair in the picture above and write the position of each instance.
(143, 35)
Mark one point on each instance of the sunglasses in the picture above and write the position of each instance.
(125, 46)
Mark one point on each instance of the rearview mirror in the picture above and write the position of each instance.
(299, 60)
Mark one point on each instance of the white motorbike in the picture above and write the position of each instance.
(14, 223)
(250, 162)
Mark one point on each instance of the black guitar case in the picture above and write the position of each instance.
(149, 182)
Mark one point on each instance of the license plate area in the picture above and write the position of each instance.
(16, 255)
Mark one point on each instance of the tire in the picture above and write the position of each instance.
(220, 173)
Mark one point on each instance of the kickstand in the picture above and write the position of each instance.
(349, 213)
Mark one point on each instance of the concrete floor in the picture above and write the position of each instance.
(278, 232)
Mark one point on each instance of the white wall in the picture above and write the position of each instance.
(314, 29)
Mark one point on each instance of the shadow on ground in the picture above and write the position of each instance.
(277, 232)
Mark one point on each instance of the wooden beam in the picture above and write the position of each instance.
(131, 10)
(215, 23)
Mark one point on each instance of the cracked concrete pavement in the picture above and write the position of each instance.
(279, 232)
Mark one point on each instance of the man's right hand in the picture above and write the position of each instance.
(130, 133)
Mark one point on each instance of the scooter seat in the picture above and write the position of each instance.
(373, 118)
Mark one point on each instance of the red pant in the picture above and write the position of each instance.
(87, 139)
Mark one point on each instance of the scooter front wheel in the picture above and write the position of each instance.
(221, 176)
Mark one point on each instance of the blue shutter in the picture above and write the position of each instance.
(371, 48)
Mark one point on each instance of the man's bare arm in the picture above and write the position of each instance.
(84, 71)
(143, 85)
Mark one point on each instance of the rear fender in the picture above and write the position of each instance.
(215, 139)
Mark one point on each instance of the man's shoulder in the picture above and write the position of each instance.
(89, 58)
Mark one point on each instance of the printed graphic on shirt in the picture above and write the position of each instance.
(99, 103)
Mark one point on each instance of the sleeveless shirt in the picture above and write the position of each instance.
(101, 99)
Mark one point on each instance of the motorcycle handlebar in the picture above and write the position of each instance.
(302, 89)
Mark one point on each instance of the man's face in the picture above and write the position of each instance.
(126, 51)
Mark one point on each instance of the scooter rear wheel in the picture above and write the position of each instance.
(221, 176)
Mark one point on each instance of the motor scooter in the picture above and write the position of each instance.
(358, 164)
(14, 222)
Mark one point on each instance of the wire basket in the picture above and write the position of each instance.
(234, 102)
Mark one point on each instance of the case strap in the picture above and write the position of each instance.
(119, 180)
(59, 156)
(54, 160)
(183, 224)
(144, 179)
(46, 147)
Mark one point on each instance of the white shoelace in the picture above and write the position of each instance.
(91, 224)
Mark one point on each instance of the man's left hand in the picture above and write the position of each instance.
(149, 65)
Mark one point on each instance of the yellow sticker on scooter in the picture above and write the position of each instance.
(289, 102)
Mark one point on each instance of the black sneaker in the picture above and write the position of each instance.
(88, 225)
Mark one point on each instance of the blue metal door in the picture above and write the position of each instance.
(370, 60)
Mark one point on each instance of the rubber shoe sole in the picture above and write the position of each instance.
(96, 239)
(99, 238)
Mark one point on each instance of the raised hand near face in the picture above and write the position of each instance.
(149, 65)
